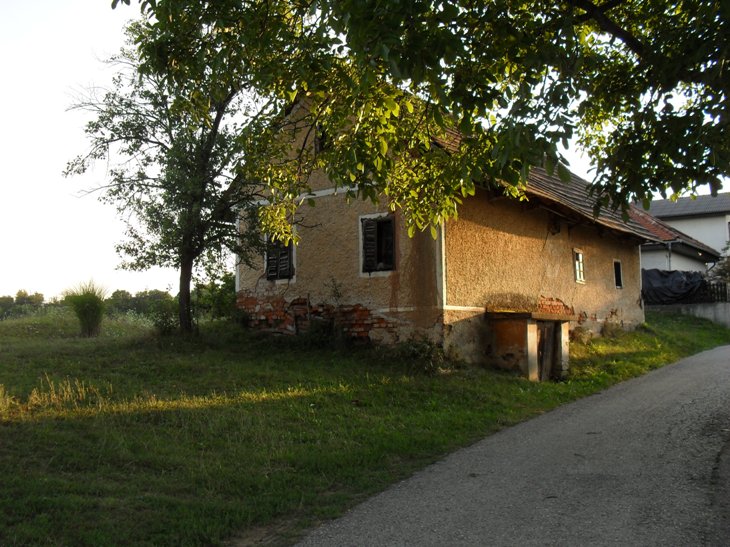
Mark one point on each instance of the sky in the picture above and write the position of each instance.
(52, 236)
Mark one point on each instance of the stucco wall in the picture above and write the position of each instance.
(660, 260)
(327, 265)
(507, 255)
(711, 230)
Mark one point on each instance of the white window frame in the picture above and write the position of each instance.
(579, 266)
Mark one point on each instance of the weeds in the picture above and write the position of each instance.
(87, 302)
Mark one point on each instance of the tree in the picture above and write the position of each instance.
(6, 304)
(176, 147)
(22, 298)
(721, 270)
(120, 301)
(500, 86)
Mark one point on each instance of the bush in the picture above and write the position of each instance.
(164, 316)
(87, 302)
(216, 299)
(419, 356)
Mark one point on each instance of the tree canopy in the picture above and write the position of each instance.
(497, 86)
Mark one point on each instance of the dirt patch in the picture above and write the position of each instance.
(277, 534)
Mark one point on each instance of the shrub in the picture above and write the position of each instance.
(420, 356)
(87, 302)
(164, 316)
(216, 299)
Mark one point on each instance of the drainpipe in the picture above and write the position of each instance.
(669, 256)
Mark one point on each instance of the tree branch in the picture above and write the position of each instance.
(598, 14)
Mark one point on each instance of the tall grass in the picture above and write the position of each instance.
(87, 302)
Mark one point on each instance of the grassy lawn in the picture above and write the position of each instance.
(233, 437)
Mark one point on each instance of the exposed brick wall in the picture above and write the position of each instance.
(276, 314)
(554, 306)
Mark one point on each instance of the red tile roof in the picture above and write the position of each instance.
(666, 233)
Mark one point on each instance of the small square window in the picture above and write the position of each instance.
(580, 276)
(279, 264)
(378, 244)
(618, 274)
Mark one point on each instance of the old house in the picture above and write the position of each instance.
(502, 285)
(672, 249)
(705, 218)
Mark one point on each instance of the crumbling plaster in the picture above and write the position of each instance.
(328, 269)
(507, 255)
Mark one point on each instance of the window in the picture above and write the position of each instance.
(580, 276)
(279, 263)
(378, 244)
(617, 275)
(321, 141)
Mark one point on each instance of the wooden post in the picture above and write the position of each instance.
(533, 364)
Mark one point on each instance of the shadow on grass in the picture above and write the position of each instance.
(196, 470)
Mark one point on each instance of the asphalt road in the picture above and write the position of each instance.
(644, 463)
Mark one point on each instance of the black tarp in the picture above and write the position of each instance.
(669, 287)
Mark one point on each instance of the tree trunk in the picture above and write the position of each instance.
(185, 311)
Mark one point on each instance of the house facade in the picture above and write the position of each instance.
(502, 285)
(673, 250)
(704, 218)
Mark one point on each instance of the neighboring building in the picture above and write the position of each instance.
(673, 250)
(501, 285)
(705, 218)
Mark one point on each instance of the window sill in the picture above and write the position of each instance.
(377, 273)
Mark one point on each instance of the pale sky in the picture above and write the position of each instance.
(52, 238)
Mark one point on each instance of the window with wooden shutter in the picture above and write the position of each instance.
(279, 261)
(378, 244)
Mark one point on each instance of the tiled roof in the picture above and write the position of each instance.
(667, 233)
(699, 206)
(575, 196)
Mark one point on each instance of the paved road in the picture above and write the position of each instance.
(644, 463)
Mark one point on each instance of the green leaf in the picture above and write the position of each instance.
(383, 146)
(549, 165)
(392, 106)
(563, 172)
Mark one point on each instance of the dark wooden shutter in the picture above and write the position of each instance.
(369, 244)
(278, 261)
(272, 262)
(285, 262)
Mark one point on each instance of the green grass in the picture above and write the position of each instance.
(133, 439)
